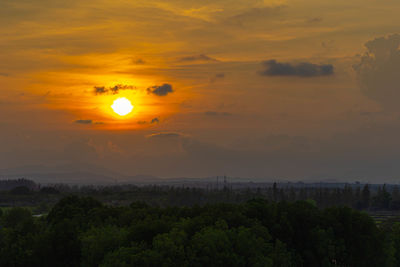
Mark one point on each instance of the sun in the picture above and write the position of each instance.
(122, 106)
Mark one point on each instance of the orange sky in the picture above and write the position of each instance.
(217, 86)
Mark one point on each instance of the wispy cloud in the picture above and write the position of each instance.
(200, 57)
(99, 90)
(84, 121)
(217, 113)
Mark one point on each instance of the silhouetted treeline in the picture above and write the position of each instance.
(10, 184)
(365, 197)
(81, 231)
(360, 197)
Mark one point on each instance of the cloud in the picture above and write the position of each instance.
(87, 122)
(84, 121)
(217, 76)
(138, 61)
(165, 135)
(99, 90)
(4, 74)
(116, 88)
(161, 90)
(378, 71)
(217, 113)
(152, 121)
(304, 69)
(200, 57)
(314, 20)
(254, 15)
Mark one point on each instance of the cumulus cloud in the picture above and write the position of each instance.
(200, 57)
(84, 121)
(160, 90)
(304, 69)
(378, 71)
(99, 90)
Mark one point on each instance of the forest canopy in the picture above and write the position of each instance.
(81, 231)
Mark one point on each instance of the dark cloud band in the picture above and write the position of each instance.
(84, 121)
(304, 69)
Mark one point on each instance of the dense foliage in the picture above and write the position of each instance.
(81, 231)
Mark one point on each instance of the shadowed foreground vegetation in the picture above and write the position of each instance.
(81, 231)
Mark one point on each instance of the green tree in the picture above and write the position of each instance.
(97, 242)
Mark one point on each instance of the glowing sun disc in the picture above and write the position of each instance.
(122, 106)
